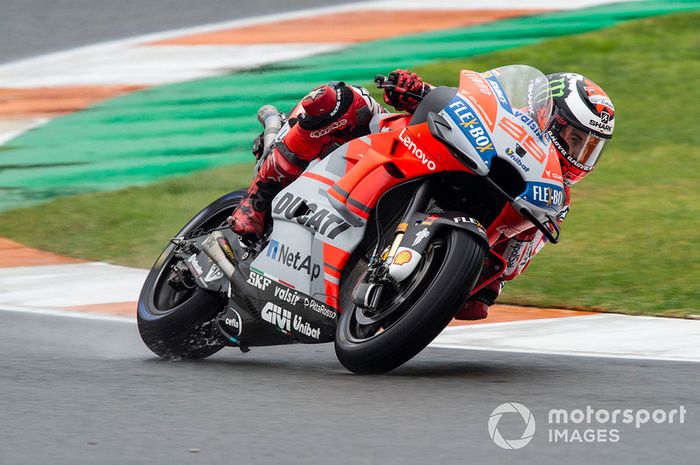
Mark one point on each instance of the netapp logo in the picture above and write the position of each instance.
(284, 255)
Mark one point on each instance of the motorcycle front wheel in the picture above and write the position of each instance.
(420, 308)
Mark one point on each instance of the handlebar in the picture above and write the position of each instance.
(383, 82)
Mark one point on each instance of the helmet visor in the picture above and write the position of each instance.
(581, 148)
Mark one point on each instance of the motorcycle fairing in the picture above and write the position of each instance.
(488, 127)
(343, 188)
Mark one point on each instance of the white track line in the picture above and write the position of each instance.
(56, 286)
(67, 314)
(156, 65)
(602, 335)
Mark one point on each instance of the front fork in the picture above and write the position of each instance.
(368, 292)
(419, 202)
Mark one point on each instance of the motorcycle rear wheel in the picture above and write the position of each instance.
(447, 274)
(177, 324)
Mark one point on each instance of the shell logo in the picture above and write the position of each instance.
(402, 257)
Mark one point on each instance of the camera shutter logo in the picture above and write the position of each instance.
(524, 412)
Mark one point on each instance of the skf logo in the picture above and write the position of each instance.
(258, 280)
(470, 125)
(277, 316)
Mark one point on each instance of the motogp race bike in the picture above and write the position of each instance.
(376, 245)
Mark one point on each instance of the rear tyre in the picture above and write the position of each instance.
(427, 302)
(176, 323)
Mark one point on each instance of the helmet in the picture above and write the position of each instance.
(583, 120)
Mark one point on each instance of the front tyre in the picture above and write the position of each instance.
(176, 321)
(446, 275)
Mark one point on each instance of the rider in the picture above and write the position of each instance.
(330, 115)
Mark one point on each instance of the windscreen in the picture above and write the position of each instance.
(527, 90)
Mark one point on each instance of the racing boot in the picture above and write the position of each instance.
(477, 307)
(276, 172)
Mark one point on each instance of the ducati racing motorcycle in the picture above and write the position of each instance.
(376, 245)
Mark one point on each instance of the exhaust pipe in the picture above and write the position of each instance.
(216, 247)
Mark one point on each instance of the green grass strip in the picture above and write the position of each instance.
(178, 129)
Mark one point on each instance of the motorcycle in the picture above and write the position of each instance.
(376, 245)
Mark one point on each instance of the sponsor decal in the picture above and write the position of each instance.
(557, 87)
(420, 235)
(471, 127)
(482, 111)
(286, 256)
(328, 129)
(284, 320)
(544, 194)
(553, 168)
(477, 80)
(195, 264)
(402, 257)
(415, 150)
(467, 219)
(519, 133)
(549, 174)
(317, 219)
(573, 161)
(320, 308)
(338, 101)
(287, 295)
(601, 125)
(604, 117)
(529, 122)
(227, 247)
(518, 161)
(513, 257)
(258, 280)
(315, 93)
(213, 274)
(277, 315)
(498, 90)
(305, 328)
(235, 322)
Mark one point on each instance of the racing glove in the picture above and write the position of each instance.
(404, 83)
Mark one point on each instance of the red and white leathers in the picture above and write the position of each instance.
(326, 118)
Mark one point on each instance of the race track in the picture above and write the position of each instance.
(103, 20)
(88, 392)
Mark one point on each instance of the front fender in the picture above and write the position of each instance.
(417, 237)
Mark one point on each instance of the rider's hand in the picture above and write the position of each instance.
(405, 81)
